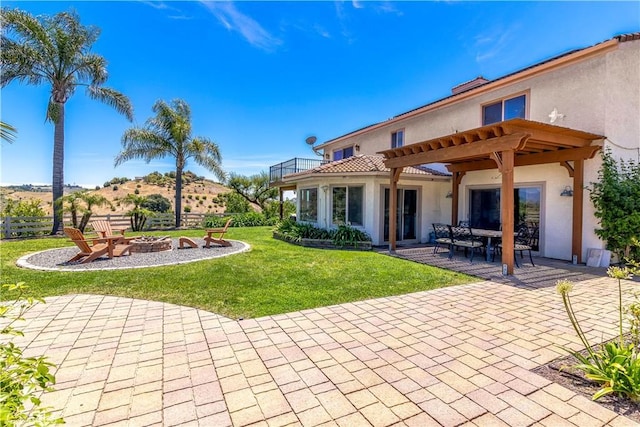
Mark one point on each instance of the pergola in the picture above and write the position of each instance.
(502, 146)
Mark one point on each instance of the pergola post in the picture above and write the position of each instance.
(393, 207)
(281, 203)
(455, 191)
(507, 213)
(578, 200)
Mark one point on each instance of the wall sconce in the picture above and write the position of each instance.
(357, 147)
(567, 192)
(325, 188)
(449, 195)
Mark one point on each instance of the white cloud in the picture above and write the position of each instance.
(357, 4)
(234, 20)
(491, 43)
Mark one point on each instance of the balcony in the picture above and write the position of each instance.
(295, 165)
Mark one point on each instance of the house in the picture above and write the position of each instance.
(519, 148)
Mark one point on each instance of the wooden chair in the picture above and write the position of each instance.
(105, 246)
(210, 238)
(104, 229)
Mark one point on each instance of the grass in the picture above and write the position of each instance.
(274, 277)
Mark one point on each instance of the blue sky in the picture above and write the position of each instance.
(260, 77)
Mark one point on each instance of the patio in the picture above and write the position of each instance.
(442, 357)
(545, 273)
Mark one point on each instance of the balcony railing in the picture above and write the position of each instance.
(276, 172)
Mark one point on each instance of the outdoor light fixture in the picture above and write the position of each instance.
(449, 195)
(325, 188)
(357, 147)
(567, 192)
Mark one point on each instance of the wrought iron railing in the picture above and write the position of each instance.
(295, 165)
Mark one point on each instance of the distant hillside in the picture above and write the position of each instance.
(198, 193)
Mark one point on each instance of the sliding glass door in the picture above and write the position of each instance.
(406, 214)
(484, 210)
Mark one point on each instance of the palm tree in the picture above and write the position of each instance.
(81, 202)
(138, 214)
(169, 134)
(7, 132)
(55, 50)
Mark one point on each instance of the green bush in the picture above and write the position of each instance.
(341, 236)
(249, 219)
(26, 208)
(157, 203)
(615, 365)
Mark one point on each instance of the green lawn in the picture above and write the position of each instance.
(273, 277)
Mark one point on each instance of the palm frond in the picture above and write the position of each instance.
(7, 132)
(113, 98)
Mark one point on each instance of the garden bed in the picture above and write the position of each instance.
(561, 371)
(323, 243)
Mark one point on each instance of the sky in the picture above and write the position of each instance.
(260, 76)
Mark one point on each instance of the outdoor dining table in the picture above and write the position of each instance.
(489, 234)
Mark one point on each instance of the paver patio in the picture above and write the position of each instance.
(451, 356)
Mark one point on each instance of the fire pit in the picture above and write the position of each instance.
(151, 244)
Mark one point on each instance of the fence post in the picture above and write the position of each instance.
(7, 227)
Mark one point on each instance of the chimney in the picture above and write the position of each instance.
(478, 81)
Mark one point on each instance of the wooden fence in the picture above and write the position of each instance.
(23, 226)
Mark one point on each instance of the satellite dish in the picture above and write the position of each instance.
(311, 140)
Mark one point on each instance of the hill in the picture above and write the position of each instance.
(198, 193)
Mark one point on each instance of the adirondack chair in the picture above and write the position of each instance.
(102, 246)
(104, 229)
(220, 232)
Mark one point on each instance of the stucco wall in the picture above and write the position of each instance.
(599, 95)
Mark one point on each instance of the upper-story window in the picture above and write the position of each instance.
(343, 153)
(504, 109)
(397, 139)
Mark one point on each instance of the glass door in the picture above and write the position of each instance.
(406, 214)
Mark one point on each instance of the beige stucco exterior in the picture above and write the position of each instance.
(596, 89)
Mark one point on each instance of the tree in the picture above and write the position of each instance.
(7, 132)
(157, 203)
(169, 134)
(81, 202)
(234, 203)
(55, 50)
(616, 198)
(138, 214)
(255, 188)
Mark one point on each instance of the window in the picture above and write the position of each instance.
(485, 207)
(348, 205)
(343, 153)
(308, 204)
(504, 110)
(397, 139)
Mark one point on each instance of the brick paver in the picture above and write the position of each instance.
(452, 356)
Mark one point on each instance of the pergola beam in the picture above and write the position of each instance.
(461, 152)
(557, 156)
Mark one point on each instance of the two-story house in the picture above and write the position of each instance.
(519, 148)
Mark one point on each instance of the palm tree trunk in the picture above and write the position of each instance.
(57, 185)
(178, 195)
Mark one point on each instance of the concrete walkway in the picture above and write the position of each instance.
(452, 356)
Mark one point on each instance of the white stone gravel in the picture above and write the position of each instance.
(56, 259)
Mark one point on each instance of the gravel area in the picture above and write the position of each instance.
(56, 259)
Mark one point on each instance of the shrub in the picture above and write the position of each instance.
(24, 208)
(249, 219)
(22, 378)
(187, 209)
(136, 191)
(114, 188)
(157, 203)
(615, 366)
(341, 236)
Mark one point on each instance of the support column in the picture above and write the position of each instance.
(578, 200)
(281, 203)
(506, 211)
(455, 191)
(393, 207)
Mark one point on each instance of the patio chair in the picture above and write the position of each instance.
(104, 229)
(442, 236)
(463, 238)
(92, 252)
(210, 238)
(523, 241)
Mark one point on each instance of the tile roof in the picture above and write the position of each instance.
(362, 163)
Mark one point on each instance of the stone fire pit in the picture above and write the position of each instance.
(151, 244)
